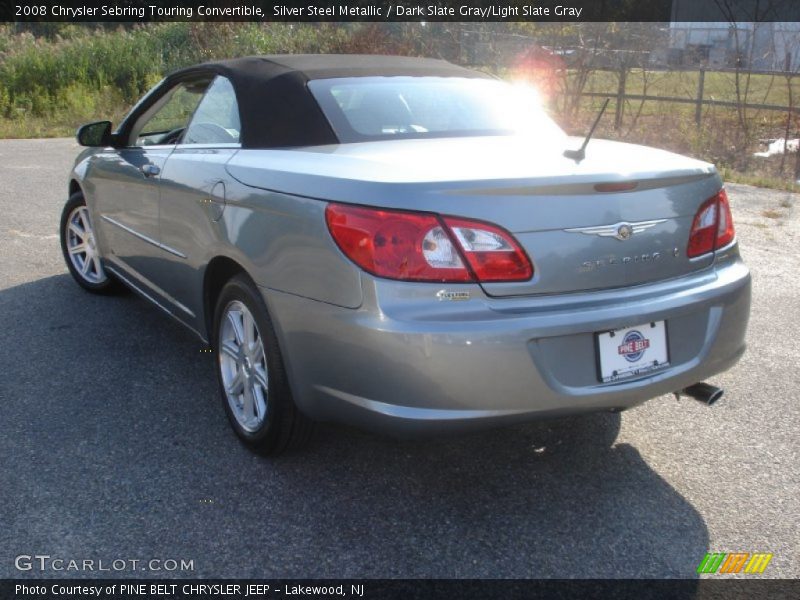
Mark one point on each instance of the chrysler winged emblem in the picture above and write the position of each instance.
(621, 231)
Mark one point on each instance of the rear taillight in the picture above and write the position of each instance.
(712, 226)
(425, 247)
(493, 254)
(725, 231)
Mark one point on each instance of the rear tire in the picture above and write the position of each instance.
(250, 370)
(79, 247)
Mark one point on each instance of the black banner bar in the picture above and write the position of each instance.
(399, 589)
(400, 10)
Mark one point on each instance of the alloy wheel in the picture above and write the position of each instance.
(82, 246)
(243, 366)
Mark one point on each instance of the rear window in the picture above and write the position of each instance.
(372, 108)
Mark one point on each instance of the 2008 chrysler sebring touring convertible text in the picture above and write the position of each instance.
(405, 245)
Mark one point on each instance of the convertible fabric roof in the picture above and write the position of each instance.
(275, 105)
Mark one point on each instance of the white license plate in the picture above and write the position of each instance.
(632, 351)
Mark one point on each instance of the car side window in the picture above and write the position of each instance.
(216, 120)
(165, 122)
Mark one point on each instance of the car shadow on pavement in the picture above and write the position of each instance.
(546, 499)
(114, 436)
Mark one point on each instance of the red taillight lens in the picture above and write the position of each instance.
(492, 253)
(395, 244)
(712, 226)
(421, 247)
(725, 231)
(704, 229)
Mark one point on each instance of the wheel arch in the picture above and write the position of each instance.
(74, 186)
(218, 272)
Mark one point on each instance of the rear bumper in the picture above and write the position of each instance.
(406, 362)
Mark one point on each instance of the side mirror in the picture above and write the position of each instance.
(95, 134)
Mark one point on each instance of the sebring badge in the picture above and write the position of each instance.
(621, 231)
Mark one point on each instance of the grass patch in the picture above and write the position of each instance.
(50, 85)
(762, 89)
(762, 181)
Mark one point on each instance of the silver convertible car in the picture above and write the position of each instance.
(406, 245)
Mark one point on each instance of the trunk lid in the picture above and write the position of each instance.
(578, 237)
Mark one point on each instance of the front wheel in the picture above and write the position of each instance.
(79, 246)
(252, 378)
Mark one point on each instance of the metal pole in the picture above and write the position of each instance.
(623, 72)
(698, 109)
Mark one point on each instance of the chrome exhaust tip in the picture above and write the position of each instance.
(704, 392)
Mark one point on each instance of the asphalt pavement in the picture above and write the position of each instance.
(114, 445)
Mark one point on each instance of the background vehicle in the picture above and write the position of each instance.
(402, 244)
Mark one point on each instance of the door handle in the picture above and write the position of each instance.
(150, 170)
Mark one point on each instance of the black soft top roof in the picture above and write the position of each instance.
(275, 105)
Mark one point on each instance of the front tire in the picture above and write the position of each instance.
(79, 246)
(252, 379)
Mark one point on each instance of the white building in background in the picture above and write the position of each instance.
(766, 46)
